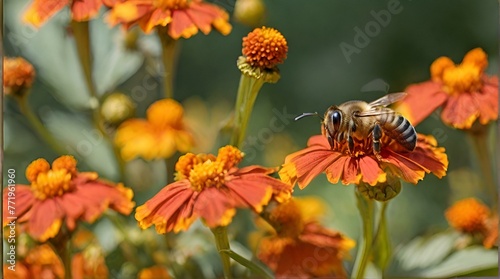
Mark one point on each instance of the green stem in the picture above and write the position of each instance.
(381, 243)
(248, 90)
(480, 146)
(222, 243)
(365, 207)
(83, 47)
(169, 53)
(38, 126)
(128, 249)
(248, 264)
(62, 246)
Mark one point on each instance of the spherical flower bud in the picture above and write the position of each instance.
(265, 48)
(116, 108)
(468, 215)
(18, 76)
(249, 12)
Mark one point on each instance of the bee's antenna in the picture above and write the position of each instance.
(308, 114)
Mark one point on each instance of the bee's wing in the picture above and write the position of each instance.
(374, 111)
(388, 99)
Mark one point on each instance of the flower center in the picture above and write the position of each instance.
(206, 170)
(172, 4)
(47, 183)
(265, 48)
(465, 77)
(287, 219)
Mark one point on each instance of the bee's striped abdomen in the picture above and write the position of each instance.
(399, 128)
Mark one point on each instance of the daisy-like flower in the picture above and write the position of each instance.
(18, 76)
(81, 10)
(40, 262)
(211, 188)
(362, 165)
(464, 92)
(183, 18)
(160, 135)
(297, 246)
(62, 196)
(473, 217)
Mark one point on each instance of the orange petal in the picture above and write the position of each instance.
(351, 174)
(41, 10)
(158, 17)
(421, 101)
(24, 200)
(371, 171)
(460, 111)
(335, 170)
(46, 220)
(85, 9)
(487, 100)
(181, 25)
(215, 207)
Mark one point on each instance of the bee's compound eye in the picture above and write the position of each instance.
(336, 118)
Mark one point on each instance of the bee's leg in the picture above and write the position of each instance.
(377, 134)
(350, 141)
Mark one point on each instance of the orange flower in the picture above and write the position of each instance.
(362, 165)
(212, 188)
(468, 215)
(18, 75)
(154, 272)
(81, 10)
(464, 92)
(299, 246)
(40, 262)
(183, 17)
(159, 136)
(62, 194)
(265, 48)
(473, 217)
(89, 264)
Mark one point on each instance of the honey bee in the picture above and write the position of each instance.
(359, 120)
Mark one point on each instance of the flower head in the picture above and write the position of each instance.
(18, 76)
(116, 108)
(362, 165)
(62, 194)
(81, 10)
(160, 135)
(464, 92)
(296, 236)
(263, 49)
(468, 215)
(210, 187)
(249, 12)
(183, 18)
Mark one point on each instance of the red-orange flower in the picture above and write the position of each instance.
(61, 194)
(81, 10)
(362, 165)
(40, 262)
(212, 188)
(183, 18)
(298, 246)
(464, 92)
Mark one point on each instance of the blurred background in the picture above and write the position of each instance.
(327, 64)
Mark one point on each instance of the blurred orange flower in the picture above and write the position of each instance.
(182, 17)
(40, 262)
(42, 10)
(362, 165)
(62, 194)
(212, 188)
(464, 92)
(154, 272)
(18, 75)
(160, 135)
(297, 246)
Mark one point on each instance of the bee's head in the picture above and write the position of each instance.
(333, 120)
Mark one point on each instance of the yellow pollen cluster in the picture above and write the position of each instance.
(265, 48)
(468, 215)
(465, 77)
(206, 170)
(172, 4)
(48, 183)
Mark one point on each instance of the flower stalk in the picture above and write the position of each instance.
(366, 208)
(222, 244)
(169, 53)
